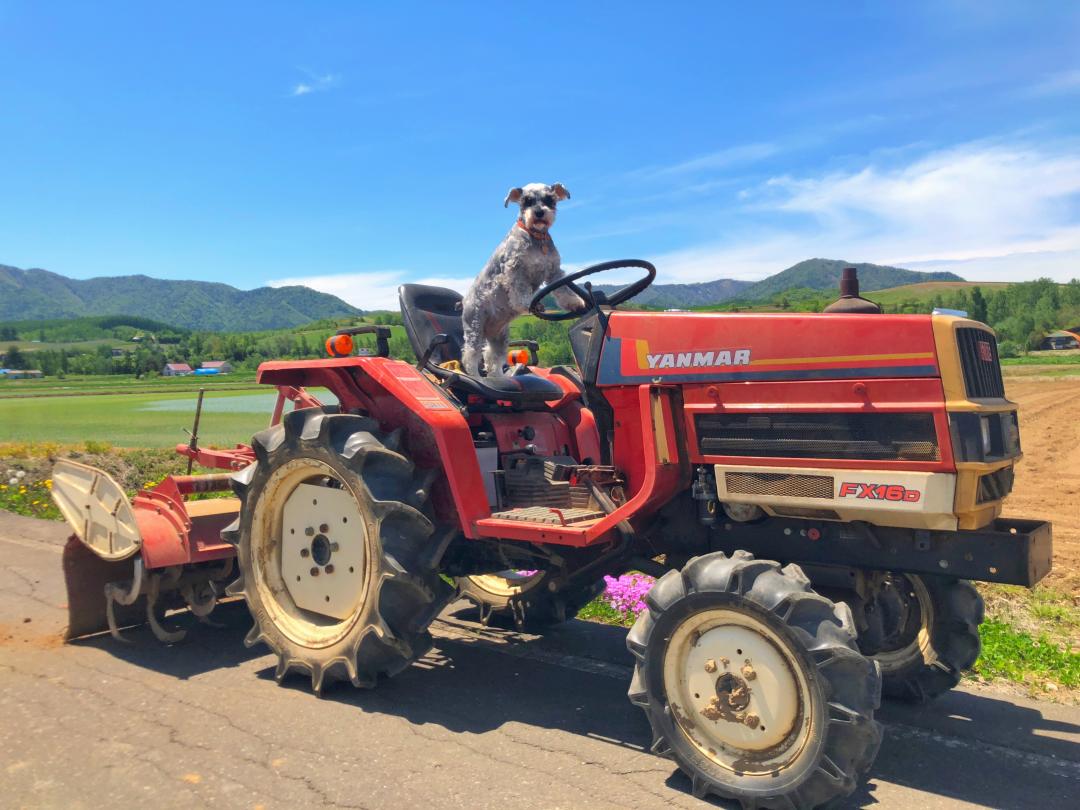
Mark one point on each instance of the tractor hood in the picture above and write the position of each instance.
(678, 347)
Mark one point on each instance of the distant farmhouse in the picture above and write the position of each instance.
(175, 370)
(215, 367)
(20, 374)
(1062, 339)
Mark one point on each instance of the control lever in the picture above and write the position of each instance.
(436, 342)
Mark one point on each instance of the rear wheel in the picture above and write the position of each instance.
(752, 683)
(331, 544)
(934, 634)
(526, 598)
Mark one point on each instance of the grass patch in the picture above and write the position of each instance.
(1020, 657)
(600, 610)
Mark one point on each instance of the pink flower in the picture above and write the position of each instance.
(627, 592)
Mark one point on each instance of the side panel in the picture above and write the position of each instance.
(909, 499)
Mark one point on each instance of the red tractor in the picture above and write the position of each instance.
(814, 493)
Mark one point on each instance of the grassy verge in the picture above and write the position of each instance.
(26, 471)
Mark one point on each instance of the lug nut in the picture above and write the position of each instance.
(329, 569)
(748, 671)
(314, 572)
(304, 552)
(324, 528)
(710, 666)
(334, 546)
(309, 531)
(752, 720)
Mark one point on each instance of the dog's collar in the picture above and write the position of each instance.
(541, 235)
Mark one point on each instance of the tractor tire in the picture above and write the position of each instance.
(939, 639)
(752, 683)
(333, 549)
(525, 598)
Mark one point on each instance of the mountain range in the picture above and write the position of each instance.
(203, 305)
(813, 274)
(39, 295)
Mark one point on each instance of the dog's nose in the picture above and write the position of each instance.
(539, 213)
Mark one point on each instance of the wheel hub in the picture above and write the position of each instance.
(733, 687)
(322, 550)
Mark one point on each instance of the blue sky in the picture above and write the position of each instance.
(351, 146)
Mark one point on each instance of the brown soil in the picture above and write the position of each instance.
(1048, 477)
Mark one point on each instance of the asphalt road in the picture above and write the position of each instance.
(488, 719)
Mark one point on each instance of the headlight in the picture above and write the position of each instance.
(984, 427)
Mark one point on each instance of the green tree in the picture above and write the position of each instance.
(978, 305)
(14, 358)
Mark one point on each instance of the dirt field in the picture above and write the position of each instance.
(1048, 478)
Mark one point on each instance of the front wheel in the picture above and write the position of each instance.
(752, 683)
(931, 633)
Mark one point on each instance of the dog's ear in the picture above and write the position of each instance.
(513, 196)
(560, 191)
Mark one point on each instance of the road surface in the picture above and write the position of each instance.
(490, 719)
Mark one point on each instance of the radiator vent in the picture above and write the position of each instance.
(870, 436)
(979, 360)
(784, 485)
(996, 485)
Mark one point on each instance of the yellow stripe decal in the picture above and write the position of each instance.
(850, 358)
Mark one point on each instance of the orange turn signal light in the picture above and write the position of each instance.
(339, 345)
(515, 356)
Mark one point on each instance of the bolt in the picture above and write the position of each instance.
(710, 666)
(334, 546)
(314, 572)
(304, 552)
(748, 671)
(752, 720)
(330, 569)
(309, 531)
(324, 528)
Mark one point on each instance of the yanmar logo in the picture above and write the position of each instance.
(985, 354)
(717, 358)
(879, 492)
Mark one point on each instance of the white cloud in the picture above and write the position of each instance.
(1067, 81)
(720, 159)
(1000, 210)
(315, 83)
(368, 291)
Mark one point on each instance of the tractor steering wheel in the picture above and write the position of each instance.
(592, 298)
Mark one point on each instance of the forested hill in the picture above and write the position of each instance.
(202, 305)
(824, 274)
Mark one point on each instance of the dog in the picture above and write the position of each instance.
(523, 262)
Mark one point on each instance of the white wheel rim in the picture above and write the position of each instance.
(314, 610)
(507, 583)
(737, 691)
(920, 648)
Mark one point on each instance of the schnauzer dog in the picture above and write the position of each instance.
(524, 261)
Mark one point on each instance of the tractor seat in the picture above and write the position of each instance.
(430, 311)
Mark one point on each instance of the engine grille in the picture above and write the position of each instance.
(996, 485)
(907, 436)
(782, 484)
(979, 361)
